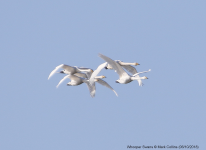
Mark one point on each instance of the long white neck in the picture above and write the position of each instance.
(137, 78)
(99, 77)
(127, 63)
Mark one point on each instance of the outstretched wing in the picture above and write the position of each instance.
(96, 72)
(88, 74)
(144, 71)
(140, 82)
(54, 71)
(130, 69)
(134, 75)
(102, 82)
(62, 80)
(91, 88)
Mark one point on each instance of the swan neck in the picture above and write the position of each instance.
(137, 78)
(98, 77)
(126, 63)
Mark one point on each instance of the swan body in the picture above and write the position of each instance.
(69, 70)
(75, 80)
(124, 78)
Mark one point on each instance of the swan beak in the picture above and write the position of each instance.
(61, 72)
(116, 81)
(147, 78)
(92, 71)
(103, 77)
(136, 64)
(105, 67)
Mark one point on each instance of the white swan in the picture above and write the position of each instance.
(125, 65)
(124, 78)
(77, 81)
(69, 70)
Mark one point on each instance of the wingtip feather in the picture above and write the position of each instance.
(115, 93)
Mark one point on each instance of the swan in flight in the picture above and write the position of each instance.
(69, 70)
(124, 78)
(125, 65)
(75, 80)
(89, 79)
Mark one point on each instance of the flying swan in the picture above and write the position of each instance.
(124, 78)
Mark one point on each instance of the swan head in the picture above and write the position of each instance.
(145, 77)
(103, 77)
(95, 80)
(108, 66)
(117, 81)
(61, 71)
(99, 77)
(136, 64)
(69, 84)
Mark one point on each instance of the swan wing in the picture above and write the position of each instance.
(120, 71)
(91, 88)
(62, 80)
(104, 83)
(140, 82)
(54, 71)
(144, 71)
(130, 69)
(88, 74)
(96, 72)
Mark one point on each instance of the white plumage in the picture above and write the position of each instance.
(79, 75)
(124, 78)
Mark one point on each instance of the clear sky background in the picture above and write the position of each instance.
(168, 37)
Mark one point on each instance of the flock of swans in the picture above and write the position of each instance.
(79, 75)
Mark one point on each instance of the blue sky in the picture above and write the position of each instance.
(165, 36)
